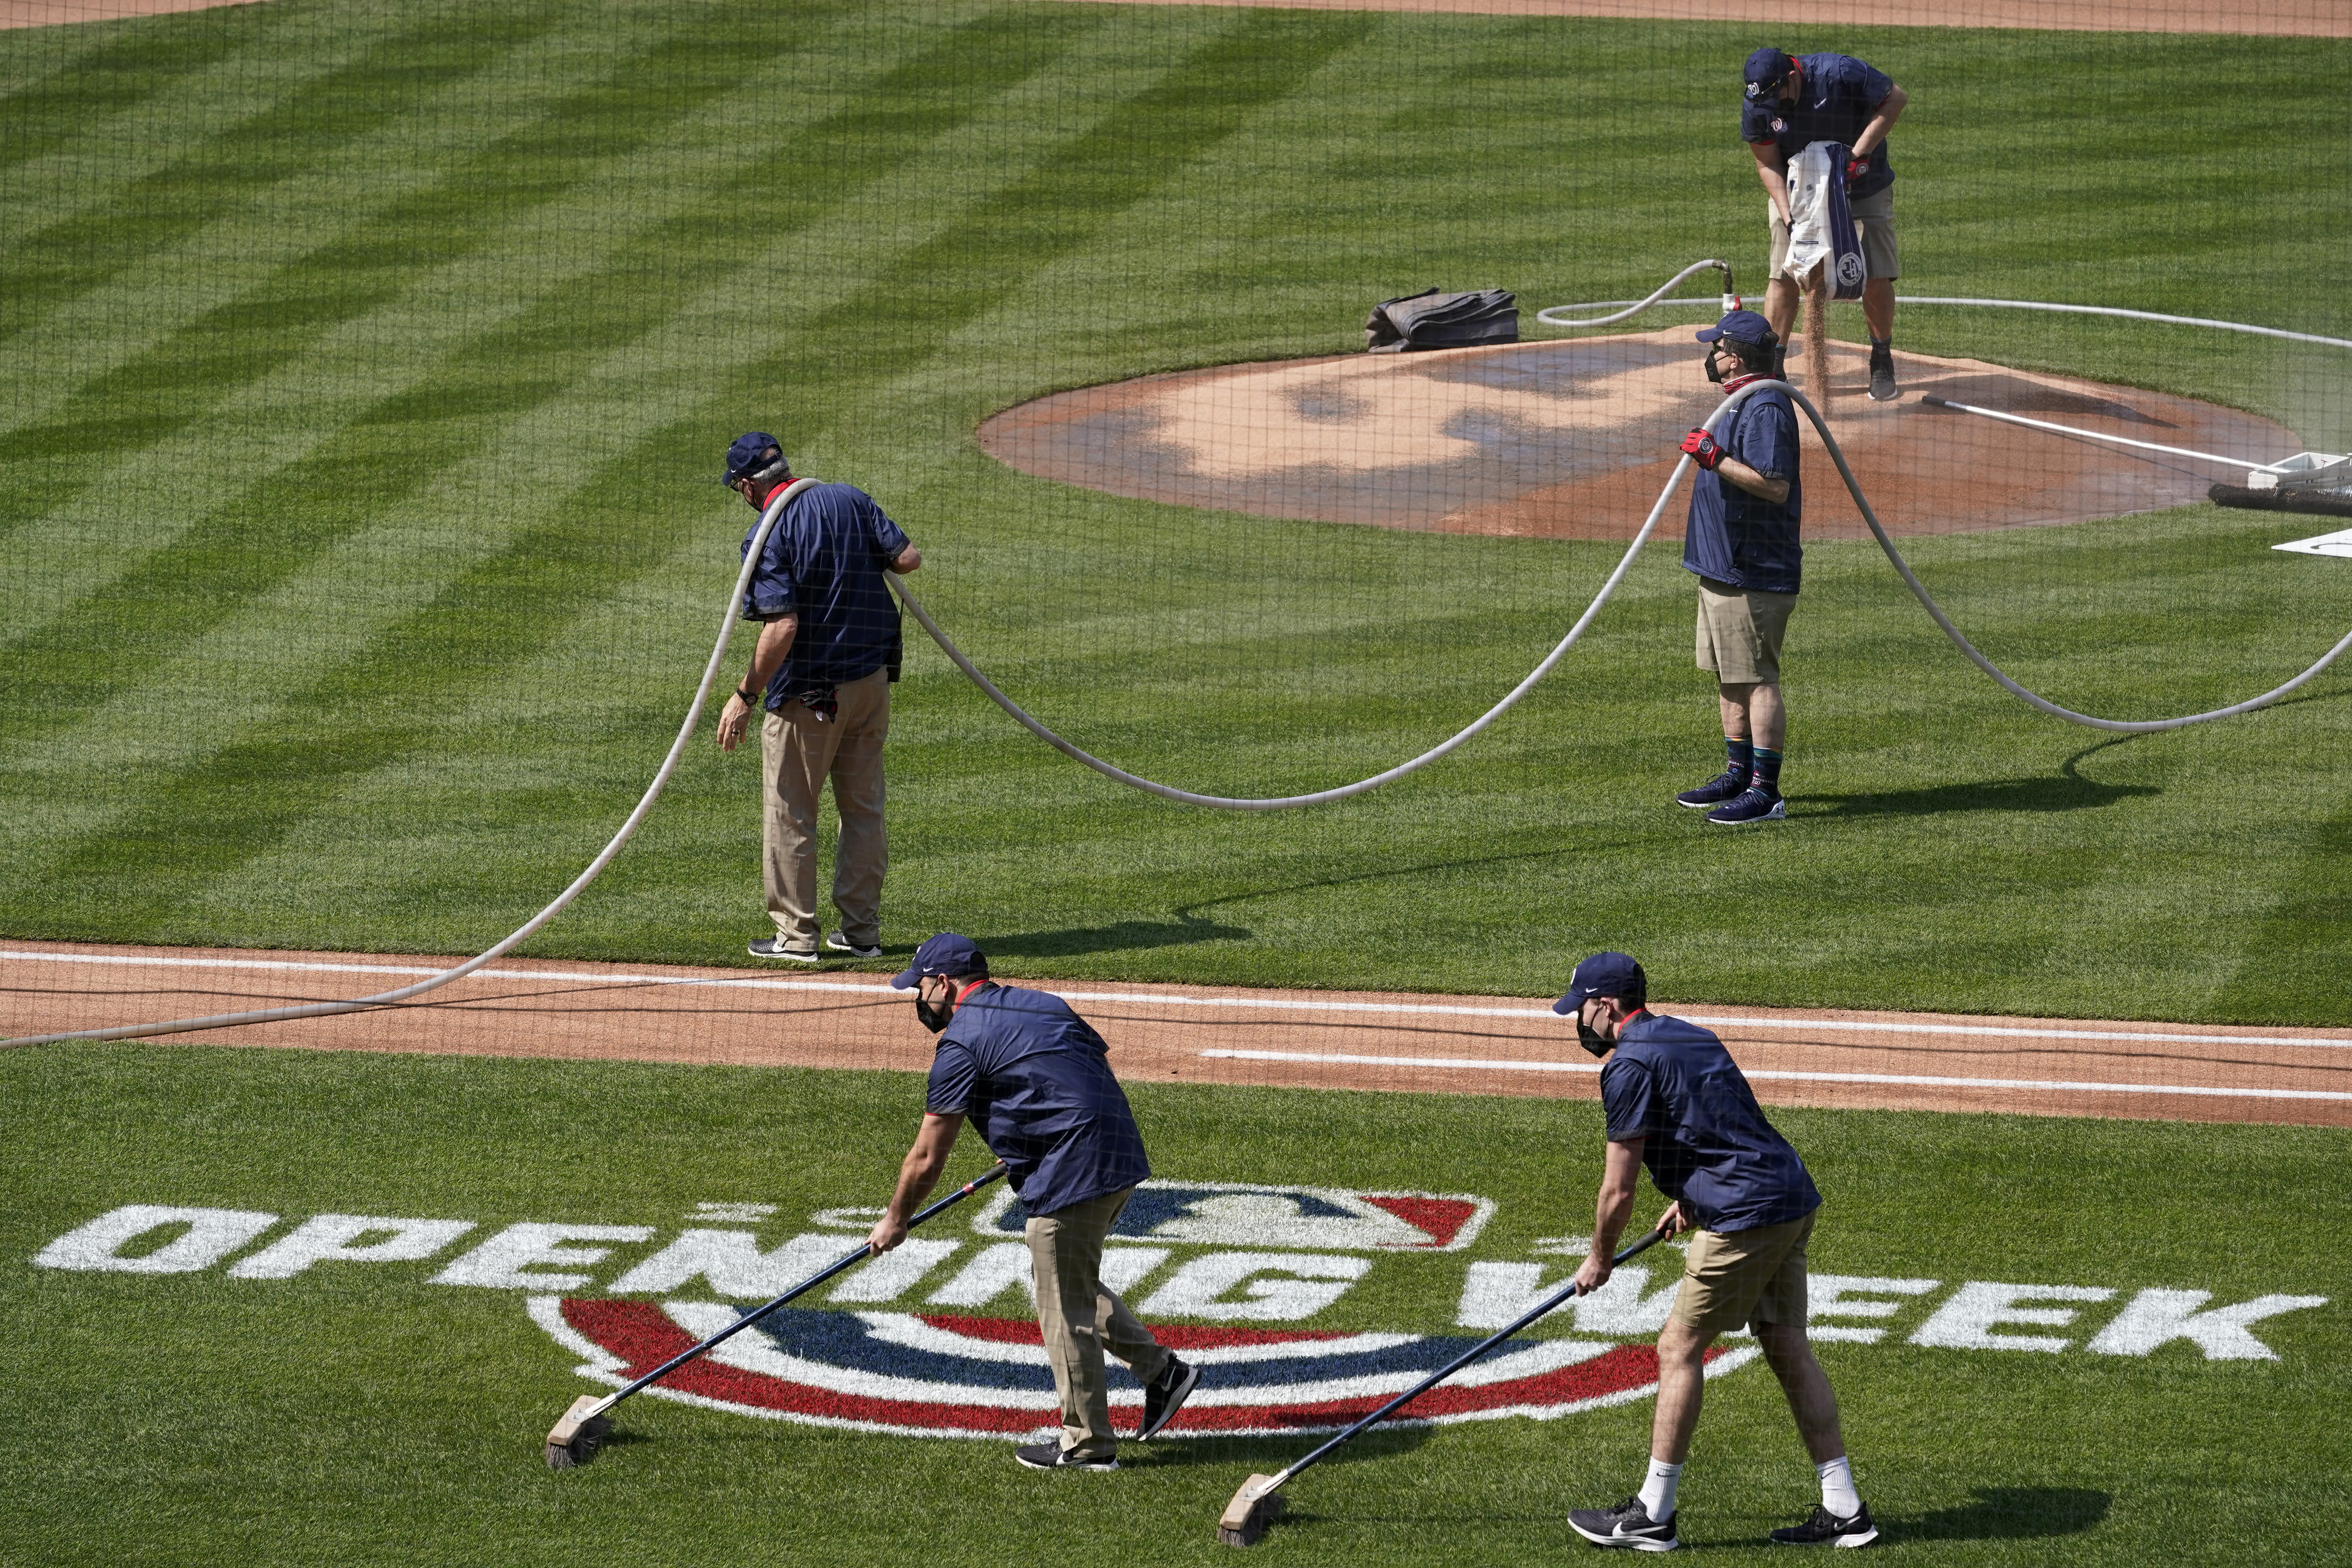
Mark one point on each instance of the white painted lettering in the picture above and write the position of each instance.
(892, 1275)
(1122, 1266)
(498, 1263)
(211, 1235)
(733, 1264)
(338, 1238)
(1495, 1293)
(1278, 1286)
(1966, 1321)
(2156, 1317)
(989, 1274)
(1848, 1296)
(1619, 1310)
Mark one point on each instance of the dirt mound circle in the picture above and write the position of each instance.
(1574, 439)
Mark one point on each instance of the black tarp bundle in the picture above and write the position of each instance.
(1429, 320)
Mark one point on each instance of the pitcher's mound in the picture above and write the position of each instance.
(1574, 439)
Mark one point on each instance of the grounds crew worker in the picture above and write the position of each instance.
(1677, 1103)
(829, 647)
(1034, 1076)
(1741, 540)
(1793, 102)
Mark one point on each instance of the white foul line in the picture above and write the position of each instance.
(1880, 1078)
(1250, 1004)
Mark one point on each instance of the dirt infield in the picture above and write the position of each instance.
(2287, 19)
(1339, 1040)
(1574, 439)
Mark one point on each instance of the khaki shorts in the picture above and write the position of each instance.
(1740, 631)
(1874, 220)
(1748, 1277)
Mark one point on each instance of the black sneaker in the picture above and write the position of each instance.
(1725, 786)
(1882, 376)
(774, 947)
(1627, 1524)
(1826, 1528)
(839, 941)
(1054, 1456)
(1750, 805)
(1165, 1395)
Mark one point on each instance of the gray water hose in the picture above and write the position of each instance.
(775, 509)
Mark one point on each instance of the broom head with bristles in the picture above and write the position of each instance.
(572, 1440)
(1254, 1507)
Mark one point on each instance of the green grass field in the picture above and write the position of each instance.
(370, 364)
(359, 1414)
(368, 369)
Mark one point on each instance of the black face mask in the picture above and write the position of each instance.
(1713, 373)
(1590, 1039)
(934, 1014)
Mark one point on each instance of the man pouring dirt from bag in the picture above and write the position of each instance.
(1793, 102)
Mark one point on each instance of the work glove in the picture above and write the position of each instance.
(1703, 449)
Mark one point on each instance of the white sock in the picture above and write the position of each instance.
(1837, 1495)
(1658, 1490)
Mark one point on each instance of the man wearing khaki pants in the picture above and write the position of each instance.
(829, 647)
(1036, 1080)
(1677, 1103)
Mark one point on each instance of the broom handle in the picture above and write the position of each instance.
(1464, 1359)
(811, 1283)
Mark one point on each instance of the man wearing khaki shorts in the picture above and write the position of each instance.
(1746, 509)
(1677, 1103)
(1793, 102)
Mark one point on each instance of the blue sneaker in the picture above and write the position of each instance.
(1725, 786)
(1752, 804)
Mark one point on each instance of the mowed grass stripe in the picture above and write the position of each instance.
(204, 822)
(131, 65)
(456, 638)
(52, 264)
(401, 442)
(195, 370)
(459, 522)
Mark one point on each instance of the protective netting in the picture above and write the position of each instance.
(372, 368)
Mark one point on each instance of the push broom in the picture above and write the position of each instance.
(572, 1441)
(1259, 1502)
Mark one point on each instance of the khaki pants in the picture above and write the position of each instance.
(798, 751)
(1081, 1319)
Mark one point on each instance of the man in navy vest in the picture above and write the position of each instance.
(1741, 543)
(1793, 102)
(828, 649)
(1678, 1104)
(1035, 1080)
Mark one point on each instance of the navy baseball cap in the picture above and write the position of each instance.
(1604, 974)
(1767, 68)
(753, 454)
(1740, 326)
(946, 953)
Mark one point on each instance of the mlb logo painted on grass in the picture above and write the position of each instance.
(930, 1375)
(1309, 1219)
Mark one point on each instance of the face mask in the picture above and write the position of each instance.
(934, 1014)
(1591, 1039)
(1713, 373)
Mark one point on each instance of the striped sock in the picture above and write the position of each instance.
(1767, 776)
(1740, 756)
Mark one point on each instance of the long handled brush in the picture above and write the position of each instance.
(1259, 1502)
(573, 1440)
